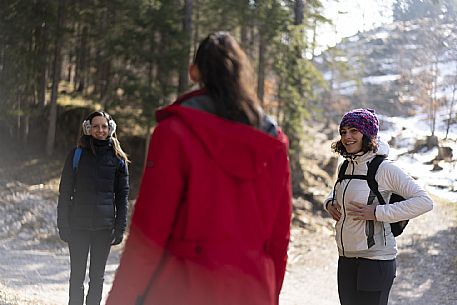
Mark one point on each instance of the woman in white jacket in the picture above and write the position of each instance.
(366, 245)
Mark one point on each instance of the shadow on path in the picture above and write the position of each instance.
(427, 270)
(36, 275)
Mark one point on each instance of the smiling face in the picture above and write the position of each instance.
(99, 128)
(351, 139)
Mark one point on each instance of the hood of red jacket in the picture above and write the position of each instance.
(240, 150)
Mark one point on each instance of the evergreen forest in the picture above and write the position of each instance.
(61, 59)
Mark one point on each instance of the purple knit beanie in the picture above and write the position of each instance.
(363, 119)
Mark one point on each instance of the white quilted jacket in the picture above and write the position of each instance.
(358, 238)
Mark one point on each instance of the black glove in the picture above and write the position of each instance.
(65, 234)
(117, 238)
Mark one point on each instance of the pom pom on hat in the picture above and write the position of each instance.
(364, 120)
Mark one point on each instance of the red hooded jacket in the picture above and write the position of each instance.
(212, 220)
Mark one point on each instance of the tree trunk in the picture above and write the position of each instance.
(451, 106)
(261, 69)
(100, 57)
(28, 95)
(187, 30)
(105, 83)
(433, 98)
(96, 76)
(80, 71)
(25, 129)
(106, 92)
(41, 53)
(18, 119)
(279, 108)
(196, 36)
(55, 79)
(244, 36)
(314, 42)
(70, 66)
(252, 35)
(296, 140)
(299, 12)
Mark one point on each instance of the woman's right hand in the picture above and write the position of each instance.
(334, 210)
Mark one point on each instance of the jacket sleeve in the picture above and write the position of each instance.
(121, 197)
(329, 198)
(161, 190)
(280, 236)
(417, 201)
(66, 187)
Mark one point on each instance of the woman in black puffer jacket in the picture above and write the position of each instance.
(93, 201)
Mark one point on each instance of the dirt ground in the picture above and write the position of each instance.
(426, 263)
(37, 273)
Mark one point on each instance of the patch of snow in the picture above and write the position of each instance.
(380, 79)
(447, 68)
(410, 46)
(407, 130)
(381, 35)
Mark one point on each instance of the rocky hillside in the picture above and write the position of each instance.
(395, 67)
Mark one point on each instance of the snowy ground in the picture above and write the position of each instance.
(442, 183)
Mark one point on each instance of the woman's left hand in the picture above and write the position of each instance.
(361, 211)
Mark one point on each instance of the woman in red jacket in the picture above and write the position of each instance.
(212, 219)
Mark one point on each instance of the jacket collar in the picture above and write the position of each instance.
(363, 157)
(241, 150)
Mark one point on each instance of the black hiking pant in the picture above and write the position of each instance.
(81, 242)
(365, 282)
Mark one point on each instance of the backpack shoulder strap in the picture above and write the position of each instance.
(371, 174)
(342, 173)
(121, 163)
(76, 157)
(343, 169)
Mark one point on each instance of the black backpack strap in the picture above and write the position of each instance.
(342, 173)
(359, 177)
(341, 176)
(342, 170)
(372, 183)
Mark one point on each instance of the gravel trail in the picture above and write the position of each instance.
(34, 271)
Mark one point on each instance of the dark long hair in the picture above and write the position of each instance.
(368, 144)
(227, 74)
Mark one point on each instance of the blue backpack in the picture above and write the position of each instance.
(77, 157)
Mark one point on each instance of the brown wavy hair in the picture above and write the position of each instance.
(368, 144)
(227, 74)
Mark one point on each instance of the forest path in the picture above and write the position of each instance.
(426, 265)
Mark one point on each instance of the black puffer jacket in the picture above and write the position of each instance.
(101, 182)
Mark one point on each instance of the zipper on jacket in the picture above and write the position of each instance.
(94, 206)
(344, 208)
